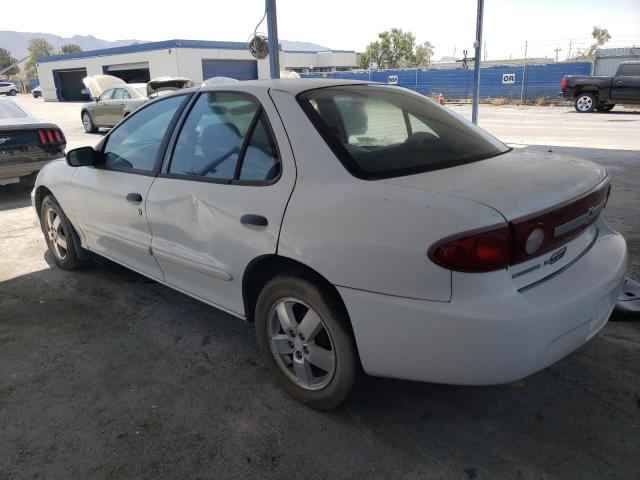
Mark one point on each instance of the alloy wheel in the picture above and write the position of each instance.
(56, 234)
(584, 103)
(301, 344)
(86, 122)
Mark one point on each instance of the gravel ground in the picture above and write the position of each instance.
(107, 375)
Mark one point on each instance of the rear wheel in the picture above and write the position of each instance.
(605, 107)
(303, 335)
(88, 124)
(585, 102)
(58, 234)
(13, 93)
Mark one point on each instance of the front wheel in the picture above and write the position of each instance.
(13, 93)
(303, 334)
(605, 108)
(88, 124)
(58, 234)
(585, 102)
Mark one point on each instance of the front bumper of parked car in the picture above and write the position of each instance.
(490, 339)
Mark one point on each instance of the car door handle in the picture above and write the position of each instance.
(255, 220)
(134, 197)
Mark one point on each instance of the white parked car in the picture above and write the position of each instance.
(8, 88)
(354, 223)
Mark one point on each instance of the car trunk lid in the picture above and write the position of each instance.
(167, 83)
(561, 195)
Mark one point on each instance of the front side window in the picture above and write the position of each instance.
(226, 132)
(136, 142)
(381, 132)
(106, 95)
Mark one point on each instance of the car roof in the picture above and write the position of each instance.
(289, 85)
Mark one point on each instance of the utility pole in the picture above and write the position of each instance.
(485, 51)
(272, 32)
(524, 71)
(557, 49)
(454, 53)
(570, 44)
(476, 67)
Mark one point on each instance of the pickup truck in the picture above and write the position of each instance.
(602, 93)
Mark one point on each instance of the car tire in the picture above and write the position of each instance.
(13, 93)
(59, 235)
(87, 123)
(605, 107)
(585, 102)
(324, 379)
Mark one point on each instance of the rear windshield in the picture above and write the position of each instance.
(8, 109)
(380, 132)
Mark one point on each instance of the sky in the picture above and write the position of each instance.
(350, 25)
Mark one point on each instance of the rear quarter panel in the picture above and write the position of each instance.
(369, 235)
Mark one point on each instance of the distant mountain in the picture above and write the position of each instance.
(17, 42)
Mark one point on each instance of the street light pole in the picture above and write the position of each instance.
(476, 66)
(272, 32)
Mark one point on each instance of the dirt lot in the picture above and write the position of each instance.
(105, 374)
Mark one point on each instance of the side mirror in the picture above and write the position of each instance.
(82, 157)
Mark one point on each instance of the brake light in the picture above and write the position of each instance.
(563, 83)
(482, 250)
(498, 247)
(50, 136)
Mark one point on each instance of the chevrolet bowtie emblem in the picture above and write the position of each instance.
(4, 139)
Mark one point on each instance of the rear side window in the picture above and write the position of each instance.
(226, 137)
(381, 132)
(106, 95)
(630, 70)
(119, 95)
(8, 109)
(136, 142)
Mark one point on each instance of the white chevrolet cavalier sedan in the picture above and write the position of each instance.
(354, 223)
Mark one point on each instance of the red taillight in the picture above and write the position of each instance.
(563, 83)
(555, 223)
(481, 250)
(50, 137)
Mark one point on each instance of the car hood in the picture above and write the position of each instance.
(97, 84)
(161, 84)
(516, 183)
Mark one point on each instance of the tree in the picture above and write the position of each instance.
(38, 47)
(371, 54)
(6, 60)
(396, 46)
(601, 36)
(70, 48)
(394, 49)
(422, 57)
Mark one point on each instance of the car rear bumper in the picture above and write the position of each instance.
(11, 173)
(490, 339)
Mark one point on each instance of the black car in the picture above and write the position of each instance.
(26, 144)
(602, 93)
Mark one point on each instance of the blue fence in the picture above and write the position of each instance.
(498, 81)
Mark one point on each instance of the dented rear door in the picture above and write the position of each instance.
(206, 229)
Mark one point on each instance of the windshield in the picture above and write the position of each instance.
(380, 132)
(9, 109)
